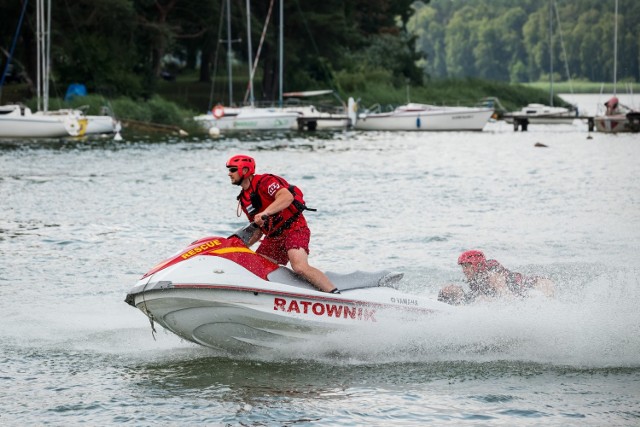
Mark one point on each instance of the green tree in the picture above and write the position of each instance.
(515, 34)
(461, 36)
(429, 28)
(92, 43)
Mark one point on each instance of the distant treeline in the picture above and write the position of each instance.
(127, 47)
(508, 40)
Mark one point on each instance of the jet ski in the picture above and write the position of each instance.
(219, 293)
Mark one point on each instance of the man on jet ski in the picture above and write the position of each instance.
(488, 279)
(276, 208)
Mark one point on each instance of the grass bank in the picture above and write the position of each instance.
(580, 86)
(371, 88)
(453, 92)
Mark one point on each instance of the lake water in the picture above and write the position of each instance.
(82, 221)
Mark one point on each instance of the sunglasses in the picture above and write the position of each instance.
(233, 170)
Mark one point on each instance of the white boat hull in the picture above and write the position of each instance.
(233, 320)
(101, 125)
(247, 119)
(617, 123)
(427, 119)
(543, 114)
(312, 119)
(17, 122)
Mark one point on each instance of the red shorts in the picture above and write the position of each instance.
(276, 248)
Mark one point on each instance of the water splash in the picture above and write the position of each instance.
(594, 326)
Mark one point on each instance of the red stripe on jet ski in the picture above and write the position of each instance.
(299, 295)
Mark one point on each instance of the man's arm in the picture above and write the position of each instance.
(499, 284)
(283, 199)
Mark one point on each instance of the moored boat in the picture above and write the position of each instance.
(90, 124)
(617, 118)
(423, 117)
(102, 125)
(313, 118)
(247, 118)
(543, 114)
(17, 121)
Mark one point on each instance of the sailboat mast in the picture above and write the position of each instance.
(47, 62)
(229, 53)
(281, 55)
(615, 51)
(251, 99)
(39, 52)
(551, 53)
(43, 61)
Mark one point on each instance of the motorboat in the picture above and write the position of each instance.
(311, 118)
(247, 119)
(424, 117)
(325, 118)
(18, 121)
(219, 293)
(543, 114)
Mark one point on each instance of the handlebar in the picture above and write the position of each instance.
(245, 233)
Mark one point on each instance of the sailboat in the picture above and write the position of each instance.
(18, 121)
(617, 117)
(545, 114)
(247, 118)
(425, 117)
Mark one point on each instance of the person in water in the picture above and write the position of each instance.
(488, 279)
(276, 208)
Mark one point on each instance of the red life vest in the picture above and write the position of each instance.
(261, 194)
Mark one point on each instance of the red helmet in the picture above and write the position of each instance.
(242, 161)
(473, 257)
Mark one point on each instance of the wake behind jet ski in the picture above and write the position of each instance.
(219, 293)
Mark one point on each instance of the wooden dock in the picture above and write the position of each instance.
(522, 122)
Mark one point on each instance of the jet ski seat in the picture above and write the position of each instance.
(344, 282)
